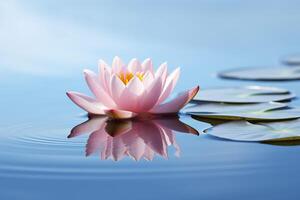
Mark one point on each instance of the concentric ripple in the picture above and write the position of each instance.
(29, 135)
(39, 151)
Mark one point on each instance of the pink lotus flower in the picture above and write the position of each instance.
(127, 91)
(136, 138)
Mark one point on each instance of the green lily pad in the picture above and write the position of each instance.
(252, 115)
(263, 73)
(292, 60)
(249, 94)
(246, 131)
(210, 107)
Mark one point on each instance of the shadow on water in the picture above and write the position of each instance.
(283, 143)
(137, 138)
(210, 121)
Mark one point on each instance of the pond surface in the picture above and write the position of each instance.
(40, 63)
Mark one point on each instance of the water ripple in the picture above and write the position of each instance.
(35, 151)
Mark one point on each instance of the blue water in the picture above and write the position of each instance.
(46, 44)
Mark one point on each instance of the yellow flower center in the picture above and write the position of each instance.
(127, 76)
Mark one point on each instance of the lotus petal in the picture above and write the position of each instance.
(148, 79)
(174, 105)
(169, 86)
(147, 66)
(98, 91)
(104, 74)
(162, 72)
(135, 86)
(117, 65)
(87, 103)
(118, 87)
(134, 66)
(151, 94)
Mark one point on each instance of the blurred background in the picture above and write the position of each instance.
(60, 38)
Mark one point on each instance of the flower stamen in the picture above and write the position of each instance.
(127, 76)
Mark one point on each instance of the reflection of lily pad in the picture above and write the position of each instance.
(250, 94)
(260, 115)
(263, 73)
(210, 107)
(293, 60)
(246, 131)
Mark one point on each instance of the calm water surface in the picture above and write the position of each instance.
(39, 159)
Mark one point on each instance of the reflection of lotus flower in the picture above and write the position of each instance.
(135, 138)
(126, 91)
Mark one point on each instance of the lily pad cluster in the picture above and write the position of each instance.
(251, 113)
(277, 73)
